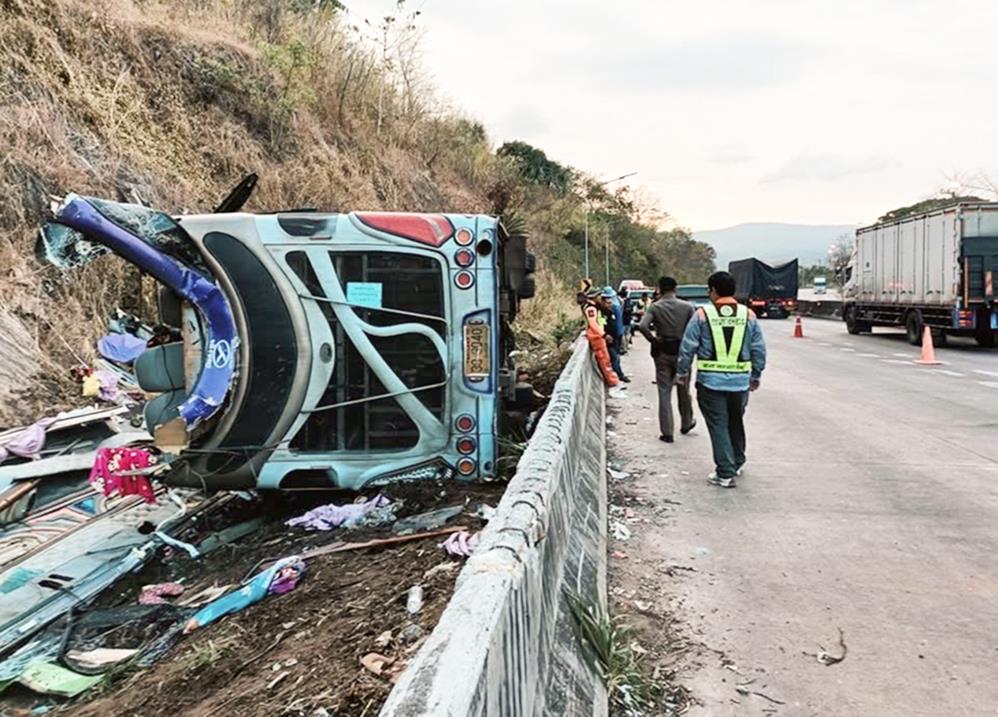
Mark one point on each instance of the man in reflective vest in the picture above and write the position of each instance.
(726, 340)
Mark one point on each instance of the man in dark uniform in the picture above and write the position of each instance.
(663, 325)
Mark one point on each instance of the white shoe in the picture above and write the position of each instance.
(720, 482)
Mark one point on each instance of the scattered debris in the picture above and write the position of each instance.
(332, 516)
(427, 521)
(743, 690)
(384, 639)
(486, 512)
(619, 555)
(121, 348)
(414, 599)
(375, 663)
(411, 634)
(447, 567)
(461, 544)
(157, 594)
(617, 475)
(827, 659)
(620, 531)
(279, 578)
(119, 471)
(51, 679)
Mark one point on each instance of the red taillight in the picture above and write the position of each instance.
(464, 257)
(432, 229)
(465, 423)
(464, 280)
(463, 237)
(466, 466)
(466, 446)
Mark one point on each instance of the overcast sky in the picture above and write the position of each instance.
(763, 110)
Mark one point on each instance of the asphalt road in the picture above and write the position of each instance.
(869, 503)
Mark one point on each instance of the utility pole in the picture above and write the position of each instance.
(606, 248)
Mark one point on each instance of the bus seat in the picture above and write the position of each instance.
(170, 307)
(161, 368)
(163, 408)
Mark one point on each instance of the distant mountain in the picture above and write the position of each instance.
(773, 241)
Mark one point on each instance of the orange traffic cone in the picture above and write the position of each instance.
(798, 329)
(928, 350)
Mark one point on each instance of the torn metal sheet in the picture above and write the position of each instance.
(158, 245)
(79, 564)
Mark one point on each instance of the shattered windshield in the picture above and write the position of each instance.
(155, 228)
(67, 248)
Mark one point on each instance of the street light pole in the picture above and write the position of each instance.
(606, 247)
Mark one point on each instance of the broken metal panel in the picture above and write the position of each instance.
(163, 262)
(78, 566)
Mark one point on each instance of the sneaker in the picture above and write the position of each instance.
(666, 439)
(740, 469)
(625, 379)
(689, 428)
(720, 482)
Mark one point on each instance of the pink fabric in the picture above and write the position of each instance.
(461, 544)
(157, 594)
(27, 443)
(111, 462)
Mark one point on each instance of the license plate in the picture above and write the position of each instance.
(476, 351)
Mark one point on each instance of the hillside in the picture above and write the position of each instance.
(771, 240)
(171, 103)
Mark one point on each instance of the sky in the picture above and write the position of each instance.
(729, 112)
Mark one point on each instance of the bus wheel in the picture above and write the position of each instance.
(913, 328)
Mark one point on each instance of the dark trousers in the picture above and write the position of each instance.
(665, 378)
(723, 411)
(614, 349)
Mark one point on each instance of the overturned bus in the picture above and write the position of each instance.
(317, 350)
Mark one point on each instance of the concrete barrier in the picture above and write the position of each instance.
(506, 643)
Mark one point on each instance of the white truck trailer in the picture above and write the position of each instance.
(936, 269)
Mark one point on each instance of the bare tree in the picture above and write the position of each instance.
(839, 258)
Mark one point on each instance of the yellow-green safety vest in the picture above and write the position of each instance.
(726, 355)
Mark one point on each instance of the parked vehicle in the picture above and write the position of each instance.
(696, 294)
(935, 269)
(632, 285)
(770, 291)
(820, 285)
(318, 350)
(636, 297)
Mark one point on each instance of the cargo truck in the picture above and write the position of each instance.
(770, 291)
(934, 269)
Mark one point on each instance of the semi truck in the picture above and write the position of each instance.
(769, 290)
(935, 269)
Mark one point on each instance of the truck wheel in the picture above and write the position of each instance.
(913, 328)
(853, 325)
(985, 339)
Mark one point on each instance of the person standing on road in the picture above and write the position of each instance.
(663, 325)
(627, 311)
(614, 329)
(726, 340)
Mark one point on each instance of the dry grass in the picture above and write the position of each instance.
(171, 103)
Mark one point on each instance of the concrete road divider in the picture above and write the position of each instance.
(506, 644)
